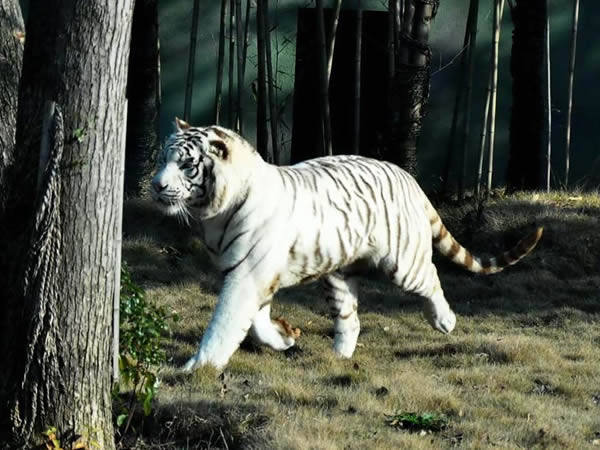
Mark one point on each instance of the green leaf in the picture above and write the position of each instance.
(121, 419)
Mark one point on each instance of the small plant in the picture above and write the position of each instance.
(142, 328)
(51, 440)
(77, 442)
(417, 422)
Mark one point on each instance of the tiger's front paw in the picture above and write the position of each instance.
(288, 333)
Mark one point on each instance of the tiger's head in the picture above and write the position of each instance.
(202, 171)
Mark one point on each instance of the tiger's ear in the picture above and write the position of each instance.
(181, 125)
(219, 148)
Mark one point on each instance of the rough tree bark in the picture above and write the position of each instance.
(527, 117)
(12, 34)
(77, 55)
(143, 92)
(410, 87)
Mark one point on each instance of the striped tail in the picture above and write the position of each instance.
(449, 247)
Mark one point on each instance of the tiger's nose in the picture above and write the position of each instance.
(158, 186)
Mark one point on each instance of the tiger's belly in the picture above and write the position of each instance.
(310, 258)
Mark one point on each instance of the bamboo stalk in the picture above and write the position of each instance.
(391, 42)
(231, 116)
(189, 84)
(271, 86)
(482, 140)
(334, 25)
(220, 63)
(262, 132)
(572, 51)
(240, 63)
(246, 27)
(498, 8)
(324, 88)
(469, 100)
(357, 61)
(548, 105)
(485, 125)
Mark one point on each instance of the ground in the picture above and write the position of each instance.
(519, 371)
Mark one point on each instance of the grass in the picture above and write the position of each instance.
(521, 369)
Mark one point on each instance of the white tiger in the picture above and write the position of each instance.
(268, 227)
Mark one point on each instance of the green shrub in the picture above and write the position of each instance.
(142, 325)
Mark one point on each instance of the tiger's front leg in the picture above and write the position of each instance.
(238, 304)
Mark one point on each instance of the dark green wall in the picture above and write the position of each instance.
(446, 40)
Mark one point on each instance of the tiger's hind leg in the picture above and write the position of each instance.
(277, 334)
(341, 294)
(426, 283)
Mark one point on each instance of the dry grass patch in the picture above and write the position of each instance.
(520, 370)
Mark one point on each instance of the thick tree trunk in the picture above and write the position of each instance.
(143, 92)
(527, 117)
(12, 34)
(60, 370)
(410, 87)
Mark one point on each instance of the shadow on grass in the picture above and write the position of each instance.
(199, 425)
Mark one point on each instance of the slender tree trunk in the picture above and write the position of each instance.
(498, 9)
(271, 88)
(357, 59)
(143, 93)
(12, 34)
(231, 108)
(323, 83)
(411, 84)
(262, 132)
(60, 368)
(527, 138)
(469, 88)
(240, 74)
(332, 35)
(220, 63)
(189, 83)
(572, 51)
